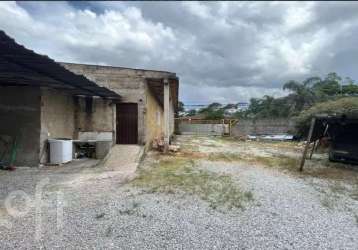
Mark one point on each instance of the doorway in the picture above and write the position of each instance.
(127, 123)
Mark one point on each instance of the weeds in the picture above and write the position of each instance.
(225, 157)
(179, 174)
(132, 209)
(354, 194)
(270, 161)
(328, 203)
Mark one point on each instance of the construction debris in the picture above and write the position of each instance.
(174, 148)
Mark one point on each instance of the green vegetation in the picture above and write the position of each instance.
(180, 107)
(229, 157)
(354, 194)
(180, 174)
(328, 202)
(213, 112)
(347, 106)
(270, 161)
(302, 96)
(130, 210)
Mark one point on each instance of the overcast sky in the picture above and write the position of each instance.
(221, 51)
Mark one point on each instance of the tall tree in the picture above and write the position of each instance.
(302, 95)
(330, 86)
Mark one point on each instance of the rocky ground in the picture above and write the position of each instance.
(214, 193)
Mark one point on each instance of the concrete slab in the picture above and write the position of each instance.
(124, 159)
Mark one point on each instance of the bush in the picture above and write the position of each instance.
(347, 106)
(214, 114)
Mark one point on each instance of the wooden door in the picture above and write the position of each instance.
(127, 123)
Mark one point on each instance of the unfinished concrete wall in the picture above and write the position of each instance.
(128, 83)
(57, 118)
(186, 128)
(65, 116)
(263, 127)
(171, 116)
(131, 84)
(98, 117)
(155, 119)
(20, 117)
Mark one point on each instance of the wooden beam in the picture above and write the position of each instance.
(313, 121)
(166, 115)
(313, 148)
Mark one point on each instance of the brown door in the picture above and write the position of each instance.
(127, 123)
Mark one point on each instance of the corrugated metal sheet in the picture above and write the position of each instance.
(23, 67)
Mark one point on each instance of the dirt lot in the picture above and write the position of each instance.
(213, 193)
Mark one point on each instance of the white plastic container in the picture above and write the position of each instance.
(60, 150)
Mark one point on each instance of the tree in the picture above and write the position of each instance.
(211, 107)
(350, 89)
(347, 106)
(214, 105)
(330, 86)
(192, 112)
(181, 107)
(302, 95)
(214, 114)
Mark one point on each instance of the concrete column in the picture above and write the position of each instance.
(114, 123)
(166, 115)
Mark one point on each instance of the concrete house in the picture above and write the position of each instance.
(148, 103)
(41, 99)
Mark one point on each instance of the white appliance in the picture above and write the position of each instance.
(60, 150)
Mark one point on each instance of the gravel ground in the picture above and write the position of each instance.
(287, 212)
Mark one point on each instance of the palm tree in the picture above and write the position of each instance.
(302, 95)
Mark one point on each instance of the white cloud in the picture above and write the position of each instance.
(197, 9)
(114, 31)
(222, 51)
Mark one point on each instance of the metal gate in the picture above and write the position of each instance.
(127, 123)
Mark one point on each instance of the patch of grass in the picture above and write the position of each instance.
(278, 161)
(131, 210)
(226, 139)
(3, 211)
(354, 196)
(188, 147)
(270, 161)
(337, 187)
(190, 154)
(179, 174)
(328, 203)
(211, 145)
(354, 193)
(331, 171)
(229, 157)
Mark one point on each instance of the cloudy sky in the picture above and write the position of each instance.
(222, 51)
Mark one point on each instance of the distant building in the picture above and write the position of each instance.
(242, 106)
